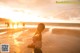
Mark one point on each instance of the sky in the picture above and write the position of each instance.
(46, 8)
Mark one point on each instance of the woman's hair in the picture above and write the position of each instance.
(40, 27)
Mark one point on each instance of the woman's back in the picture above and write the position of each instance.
(37, 40)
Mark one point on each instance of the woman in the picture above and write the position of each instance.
(37, 38)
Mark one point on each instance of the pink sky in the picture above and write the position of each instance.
(47, 7)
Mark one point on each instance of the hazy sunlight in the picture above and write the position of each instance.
(25, 15)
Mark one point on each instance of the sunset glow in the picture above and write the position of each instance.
(17, 14)
(27, 15)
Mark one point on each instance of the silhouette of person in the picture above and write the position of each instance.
(37, 38)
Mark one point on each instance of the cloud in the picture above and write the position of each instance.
(47, 7)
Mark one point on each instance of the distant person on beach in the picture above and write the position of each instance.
(37, 39)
